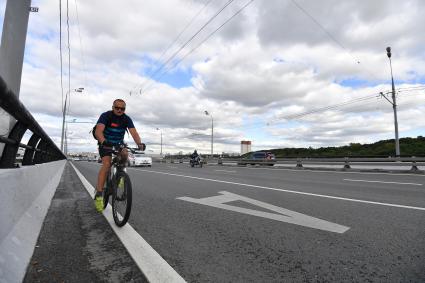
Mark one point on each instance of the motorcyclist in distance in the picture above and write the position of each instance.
(194, 155)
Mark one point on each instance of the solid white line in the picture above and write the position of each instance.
(383, 182)
(290, 191)
(153, 266)
(277, 169)
(228, 171)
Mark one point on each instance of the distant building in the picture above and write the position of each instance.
(245, 147)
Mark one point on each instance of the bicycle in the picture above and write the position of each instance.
(118, 185)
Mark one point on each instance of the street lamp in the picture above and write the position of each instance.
(80, 89)
(397, 144)
(212, 132)
(158, 129)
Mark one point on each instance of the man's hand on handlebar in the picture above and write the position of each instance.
(142, 146)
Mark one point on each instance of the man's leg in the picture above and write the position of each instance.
(103, 173)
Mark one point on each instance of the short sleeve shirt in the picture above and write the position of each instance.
(115, 126)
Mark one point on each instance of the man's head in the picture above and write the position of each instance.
(118, 107)
(195, 151)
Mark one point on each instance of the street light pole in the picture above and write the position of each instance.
(161, 139)
(212, 132)
(397, 144)
(80, 89)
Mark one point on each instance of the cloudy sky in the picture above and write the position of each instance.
(280, 73)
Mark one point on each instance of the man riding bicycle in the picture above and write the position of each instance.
(110, 131)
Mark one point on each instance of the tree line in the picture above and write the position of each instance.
(384, 148)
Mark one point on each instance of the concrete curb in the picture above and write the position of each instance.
(24, 204)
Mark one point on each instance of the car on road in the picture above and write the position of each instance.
(259, 157)
(130, 159)
(140, 159)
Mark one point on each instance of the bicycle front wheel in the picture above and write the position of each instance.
(121, 198)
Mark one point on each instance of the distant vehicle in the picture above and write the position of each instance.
(197, 161)
(259, 157)
(131, 159)
(140, 159)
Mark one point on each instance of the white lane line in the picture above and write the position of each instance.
(289, 191)
(173, 167)
(332, 171)
(153, 266)
(382, 182)
(227, 171)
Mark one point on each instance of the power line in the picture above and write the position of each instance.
(330, 107)
(202, 42)
(60, 48)
(69, 55)
(335, 106)
(177, 37)
(359, 101)
(330, 35)
(81, 45)
(188, 41)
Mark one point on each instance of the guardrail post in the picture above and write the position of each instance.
(38, 157)
(414, 167)
(347, 163)
(299, 163)
(10, 150)
(29, 153)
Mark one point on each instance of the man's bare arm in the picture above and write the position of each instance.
(135, 135)
(99, 132)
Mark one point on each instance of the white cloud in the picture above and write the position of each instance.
(270, 61)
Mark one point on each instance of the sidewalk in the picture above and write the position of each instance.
(76, 244)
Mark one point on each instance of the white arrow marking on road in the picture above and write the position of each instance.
(283, 214)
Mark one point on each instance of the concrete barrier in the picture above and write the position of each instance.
(25, 196)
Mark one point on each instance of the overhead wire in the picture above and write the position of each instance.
(202, 42)
(81, 45)
(187, 42)
(330, 35)
(177, 37)
(60, 51)
(69, 57)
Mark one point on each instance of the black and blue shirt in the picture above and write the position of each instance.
(115, 126)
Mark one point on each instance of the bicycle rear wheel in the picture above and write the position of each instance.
(121, 198)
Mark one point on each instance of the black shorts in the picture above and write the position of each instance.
(105, 151)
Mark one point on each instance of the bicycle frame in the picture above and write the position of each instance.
(118, 170)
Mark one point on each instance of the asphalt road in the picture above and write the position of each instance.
(235, 224)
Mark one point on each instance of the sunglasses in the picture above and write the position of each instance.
(119, 108)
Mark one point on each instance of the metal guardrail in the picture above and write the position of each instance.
(39, 149)
(345, 163)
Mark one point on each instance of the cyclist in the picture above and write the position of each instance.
(110, 130)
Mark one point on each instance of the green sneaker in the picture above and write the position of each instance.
(98, 203)
(121, 183)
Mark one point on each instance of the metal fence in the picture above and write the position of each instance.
(39, 149)
(406, 163)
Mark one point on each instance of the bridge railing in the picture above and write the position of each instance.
(407, 163)
(39, 149)
(345, 162)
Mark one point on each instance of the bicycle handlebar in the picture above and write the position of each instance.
(116, 148)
